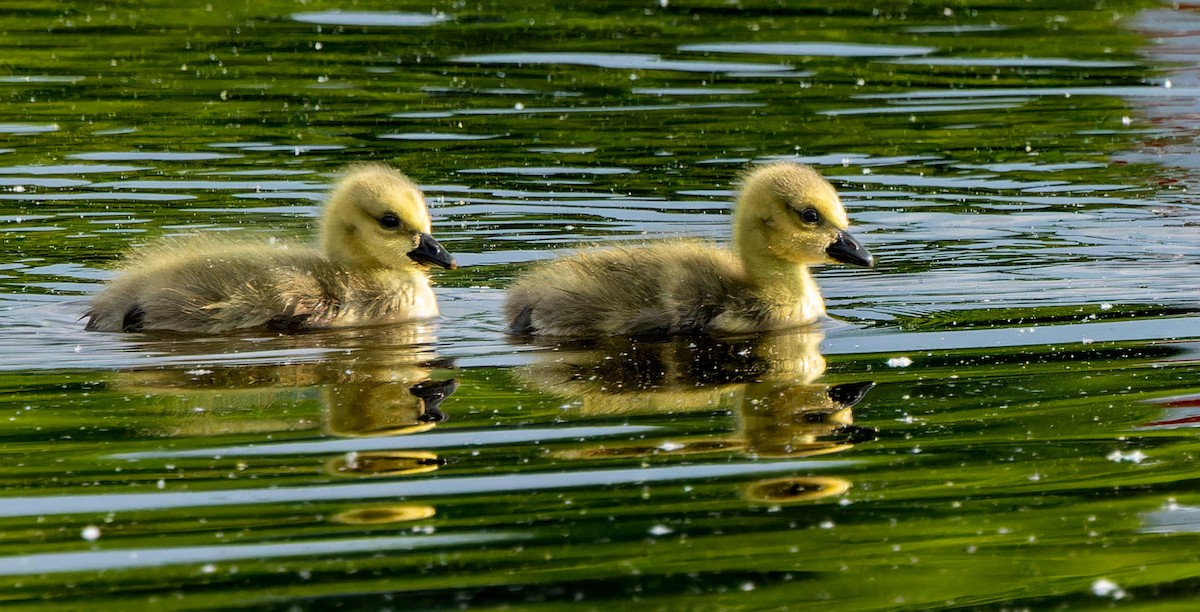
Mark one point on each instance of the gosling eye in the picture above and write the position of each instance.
(389, 221)
(810, 215)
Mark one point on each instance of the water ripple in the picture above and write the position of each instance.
(427, 441)
(149, 156)
(626, 61)
(521, 109)
(133, 558)
(813, 49)
(383, 19)
(438, 487)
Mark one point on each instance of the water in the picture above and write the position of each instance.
(999, 414)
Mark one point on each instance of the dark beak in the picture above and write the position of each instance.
(848, 250)
(429, 252)
(432, 392)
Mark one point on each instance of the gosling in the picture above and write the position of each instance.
(371, 269)
(787, 218)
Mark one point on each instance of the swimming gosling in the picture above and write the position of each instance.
(371, 269)
(787, 218)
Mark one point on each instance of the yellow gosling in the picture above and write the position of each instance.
(371, 269)
(787, 218)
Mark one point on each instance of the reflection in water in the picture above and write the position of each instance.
(385, 406)
(382, 515)
(768, 383)
(384, 463)
(795, 489)
(373, 383)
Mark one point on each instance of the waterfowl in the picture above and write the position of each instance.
(371, 268)
(787, 218)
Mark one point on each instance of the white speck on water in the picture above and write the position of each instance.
(660, 530)
(1136, 456)
(91, 533)
(899, 362)
(1107, 588)
(78, 348)
(1167, 84)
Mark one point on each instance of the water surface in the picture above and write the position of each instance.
(1000, 414)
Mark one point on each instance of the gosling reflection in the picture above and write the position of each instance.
(795, 489)
(384, 463)
(382, 408)
(360, 385)
(383, 515)
(768, 384)
(376, 384)
(624, 375)
(783, 420)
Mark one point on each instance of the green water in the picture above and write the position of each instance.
(1000, 414)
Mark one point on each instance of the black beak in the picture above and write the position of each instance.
(848, 250)
(432, 393)
(430, 252)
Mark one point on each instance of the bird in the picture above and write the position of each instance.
(786, 218)
(370, 268)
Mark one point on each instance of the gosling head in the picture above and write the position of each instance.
(789, 214)
(376, 218)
